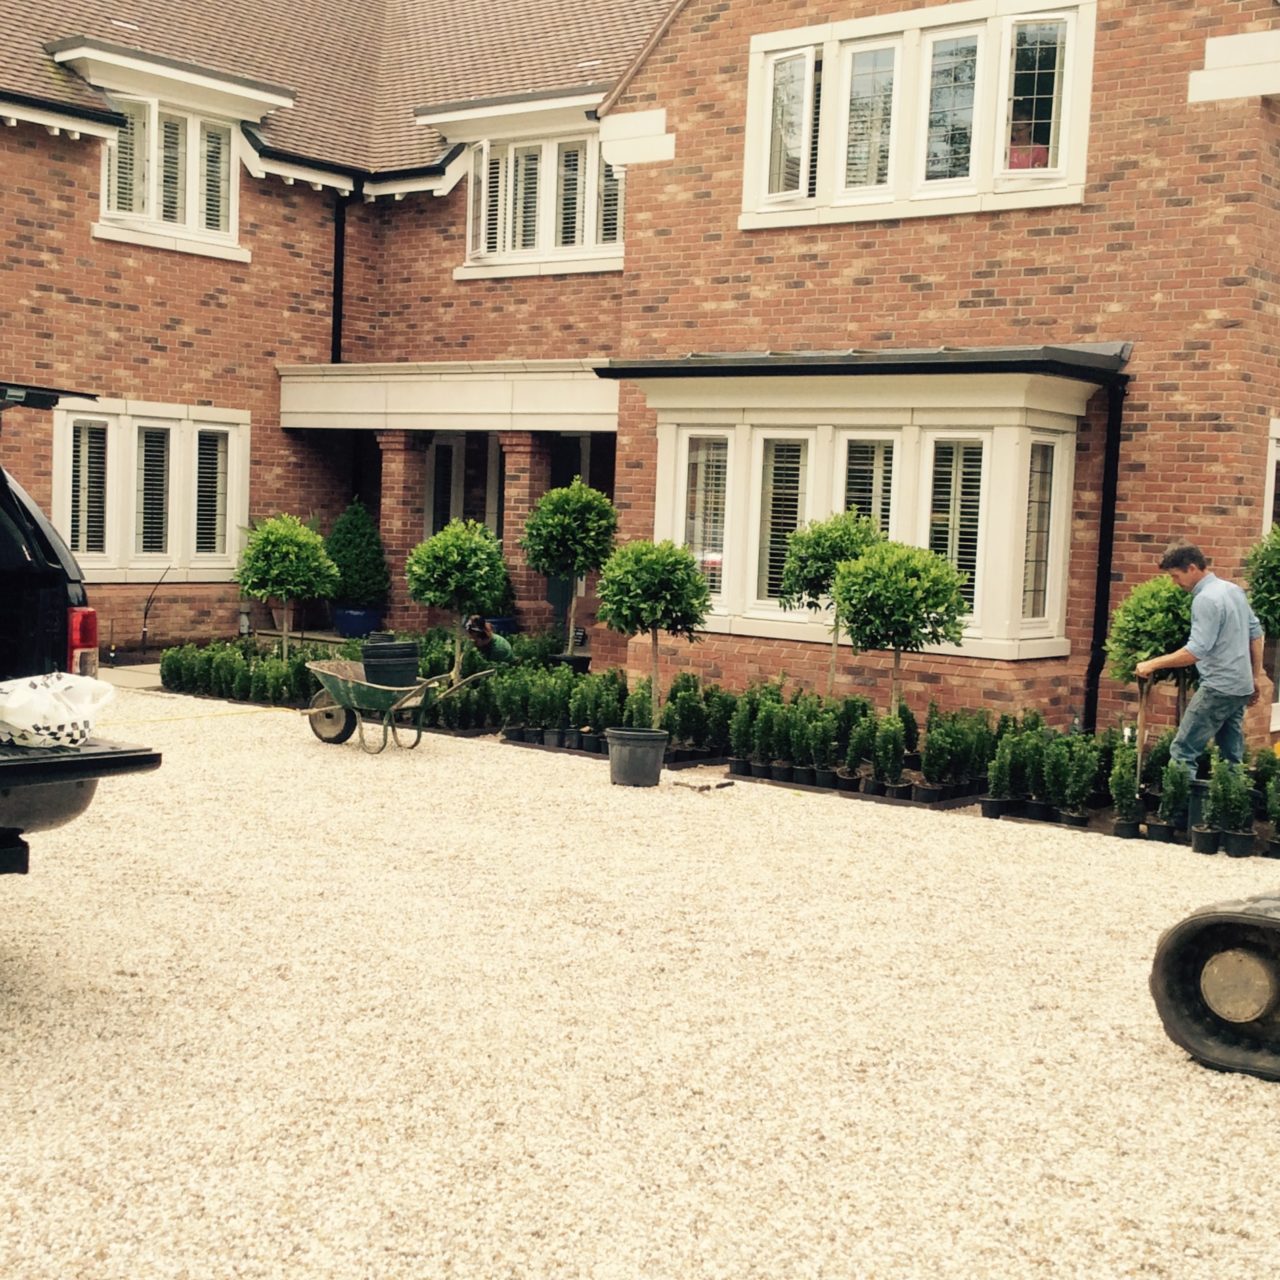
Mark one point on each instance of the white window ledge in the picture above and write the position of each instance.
(543, 267)
(107, 575)
(172, 240)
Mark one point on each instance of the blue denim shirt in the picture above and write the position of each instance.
(1222, 624)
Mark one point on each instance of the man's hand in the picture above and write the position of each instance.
(1145, 670)
(1263, 690)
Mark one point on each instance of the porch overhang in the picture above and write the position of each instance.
(497, 395)
(22, 395)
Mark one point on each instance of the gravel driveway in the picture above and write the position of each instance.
(284, 1009)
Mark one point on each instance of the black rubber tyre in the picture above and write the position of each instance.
(334, 724)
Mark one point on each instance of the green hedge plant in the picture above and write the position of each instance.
(1123, 784)
(355, 547)
(1175, 794)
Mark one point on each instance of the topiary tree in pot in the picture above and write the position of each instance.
(364, 580)
(648, 588)
(285, 559)
(900, 597)
(569, 534)
(459, 569)
(813, 555)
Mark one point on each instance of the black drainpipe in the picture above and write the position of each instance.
(340, 266)
(1106, 546)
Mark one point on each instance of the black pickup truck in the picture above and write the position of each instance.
(46, 625)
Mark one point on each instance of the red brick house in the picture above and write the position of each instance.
(998, 274)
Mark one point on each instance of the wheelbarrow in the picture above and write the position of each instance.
(346, 700)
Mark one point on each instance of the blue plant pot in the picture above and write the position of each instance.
(350, 623)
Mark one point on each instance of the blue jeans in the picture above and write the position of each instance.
(1211, 716)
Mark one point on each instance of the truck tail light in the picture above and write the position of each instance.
(82, 642)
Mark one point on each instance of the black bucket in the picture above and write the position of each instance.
(391, 663)
(635, 756)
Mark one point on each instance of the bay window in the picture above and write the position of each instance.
(145, 489)
(945, 109)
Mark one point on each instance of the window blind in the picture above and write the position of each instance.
(815, 115)
(782, 504)
(211, 493)
(127, 162)
(151, 531)
(524, 199)
(173, 168)
(88, 486)
(955, 507)
(215, 177)
(1035, 572)
(868, 480)
(610, 212)
(571, 166)
(493, 194)
(705, 506)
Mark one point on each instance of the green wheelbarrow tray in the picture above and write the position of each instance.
(346, 699)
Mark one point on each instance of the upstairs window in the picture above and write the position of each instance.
(543, 201)
(964, 107)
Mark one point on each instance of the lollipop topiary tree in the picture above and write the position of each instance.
(813, 555)
(569, 534)
(900, 597)
(284, 559)
(459, 569)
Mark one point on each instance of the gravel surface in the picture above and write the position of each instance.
(285, 1009)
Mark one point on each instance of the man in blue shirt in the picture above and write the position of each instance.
(1226, 645)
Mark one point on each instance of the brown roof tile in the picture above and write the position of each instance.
(359, 71)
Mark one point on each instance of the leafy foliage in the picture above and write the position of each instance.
(1123, 783)
(285, 559)
(1154, 619)
(570, 531)
(1175, 794)
(459, 569)
(815, 551)
(1262, 573)
(646, 587)
(1230, 800)
(889, 750)
(355, 547)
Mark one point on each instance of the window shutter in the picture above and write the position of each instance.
(1035, 572)
(211, 493)
(870, 118)
(610, 212)
(173, 168)
(782, 504)
(152, 528)
(868, 480)
(525, 162)
(127, 162)
(88, 486)
(215, 177)
(705, 506)
(571, 177)
(493, 199)
(955, 507)
(815, 115)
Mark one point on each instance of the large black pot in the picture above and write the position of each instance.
(392, 663)
(635, 756)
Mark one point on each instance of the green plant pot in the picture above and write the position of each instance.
(635, 756)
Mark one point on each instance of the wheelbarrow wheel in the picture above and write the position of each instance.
(329, 721)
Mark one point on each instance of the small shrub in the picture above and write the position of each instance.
(1082, 779)
(1175, 794)
(691, 718)
(850, 711)
(1266, 766)
(720, 705)
(243, 682)
(889, 750)
(1057, 772)
(1153, 763)
(740, 728)
(1230, 797)
(1123, 784)
(1273, 803)
(637, 711)
(765, 733)
(609, 711)
(581, 701)
(1000, 776)
(862, 743)
(937, 756)
(823, 740)
(910, 727)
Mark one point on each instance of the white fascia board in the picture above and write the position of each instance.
(185, 86)
(13, 113)
(440, 184)
(1240, 66)
(260, 167)
(636, 137)
(539, 117)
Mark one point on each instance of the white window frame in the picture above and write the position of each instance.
(545, 258)
(120, 561)
(990, 186)
(1006, 414)
(147, 227)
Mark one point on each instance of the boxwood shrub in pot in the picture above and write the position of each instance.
(1231, 797)
(889, 750)
(935, 761)
(1273, 813)
(570, 534)
(581, 703)
(1123, 785)
(1000, 794)
(740, 726)
(364, 580)
(1175, 801)
(285, 559)
(823, 733)
(649, 588)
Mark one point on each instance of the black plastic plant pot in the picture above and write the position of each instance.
(1040, 810)
(513, 732)
(590, 742)
(1069, 819)
(1204, 839)
(846, 781)
(1157, 830)
(803, 774)
(573, 739)
(1237, 844)
(739, 766)
(635, 756)
(780, 771)
(579, 662)
(1273, 849)
(553, 737)
(931, 793)
(898, 790)
(759, 769)
(1126, 829)
(872, 786)
(993, 806)
(824, 778)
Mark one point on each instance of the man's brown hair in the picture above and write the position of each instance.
(1182, 555)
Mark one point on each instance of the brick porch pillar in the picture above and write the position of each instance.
(526, 462)
(402, 519)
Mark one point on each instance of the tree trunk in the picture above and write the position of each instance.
(286, 617)
(654, 698)
(835, 649)
(573, 604)
(893, 681)
(457, 653)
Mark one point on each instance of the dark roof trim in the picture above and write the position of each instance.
(512, 99)
(20, 394)
(1101, 363)
(433, 170)
(99, 115)
(158, 60)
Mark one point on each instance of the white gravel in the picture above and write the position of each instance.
(284, 1009)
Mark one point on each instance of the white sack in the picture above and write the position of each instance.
(56, 710)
